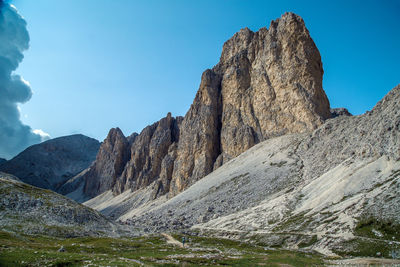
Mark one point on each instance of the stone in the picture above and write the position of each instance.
(109, 165)
(151, 157)
(336, 112)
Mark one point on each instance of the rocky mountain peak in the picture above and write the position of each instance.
(110, 162)
(267, 83)
(115, 135)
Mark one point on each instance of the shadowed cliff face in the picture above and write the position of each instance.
(152, 153)
(110, 162)
(267, 83)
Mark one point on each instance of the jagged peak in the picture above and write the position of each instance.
(289, 22)
(115, 134)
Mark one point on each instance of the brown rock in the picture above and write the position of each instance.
(198, 145)
(267, 83)
(110, 163)
(148, 151)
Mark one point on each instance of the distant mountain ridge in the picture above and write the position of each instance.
(50, 164)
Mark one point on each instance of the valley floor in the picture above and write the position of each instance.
(152, 250)
(156, 250)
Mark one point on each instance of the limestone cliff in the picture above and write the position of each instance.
(151, 156)
(267, 83)
(110, 162)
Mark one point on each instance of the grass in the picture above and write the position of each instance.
(309, 242)
(368, 243)
(389, 230)
(359, 247)
(152, 250)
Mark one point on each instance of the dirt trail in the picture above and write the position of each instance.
(171, 240)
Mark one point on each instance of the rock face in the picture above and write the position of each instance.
(2, 161)
(50, 164)
(151, 156)
(267, 83)
(336, 112)
(110, 162)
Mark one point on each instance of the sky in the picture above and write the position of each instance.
(95, 64)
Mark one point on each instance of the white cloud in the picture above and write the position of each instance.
(15, 136)
(43, 135)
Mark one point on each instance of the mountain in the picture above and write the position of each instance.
(333, 190)
(31, 210)
(50, 164)
(267, 83)
(2, 160)
(261, 157)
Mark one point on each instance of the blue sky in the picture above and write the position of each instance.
(96, 64)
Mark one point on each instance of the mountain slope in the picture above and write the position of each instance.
(333, 190)
(31, 210)
(51, 163)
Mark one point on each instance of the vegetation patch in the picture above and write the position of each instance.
(308, 242)
(152, 250)
(378, 228)
(364, 247)
(295, 222)
(278, 164)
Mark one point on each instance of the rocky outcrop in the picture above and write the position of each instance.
(199, 143)
(110, 162)
(50, 164)
(131, 163)
(266, 84)
(336, 112)
(151, 156)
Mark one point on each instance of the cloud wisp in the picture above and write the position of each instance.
(14, 90)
